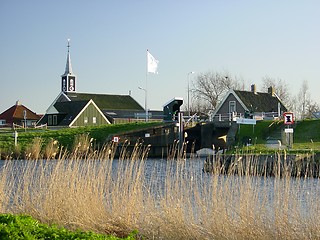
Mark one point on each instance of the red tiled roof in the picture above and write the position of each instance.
(16, 112)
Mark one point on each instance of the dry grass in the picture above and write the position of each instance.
(90, 190)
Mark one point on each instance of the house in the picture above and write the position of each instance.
(249, 104)
(20, 115)
(73, 114)
(72, 109)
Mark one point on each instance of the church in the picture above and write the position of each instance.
(73, 109)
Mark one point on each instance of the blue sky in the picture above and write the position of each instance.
(109, 39)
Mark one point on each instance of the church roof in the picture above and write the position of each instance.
(70, 109)
(107, 101)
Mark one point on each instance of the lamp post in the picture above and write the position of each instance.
(145, 101)
(189, 92)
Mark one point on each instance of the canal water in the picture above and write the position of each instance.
(189, 173)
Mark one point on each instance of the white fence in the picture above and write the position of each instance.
(257, 115)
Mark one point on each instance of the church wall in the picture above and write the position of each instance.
(90, 117)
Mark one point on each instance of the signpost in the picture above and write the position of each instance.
(247, 121)
(25, 119)
(288, 120)
(115, 139)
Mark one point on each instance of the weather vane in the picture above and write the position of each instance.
(68, 44)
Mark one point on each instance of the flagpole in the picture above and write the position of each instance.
(146, 92)
(152, 65)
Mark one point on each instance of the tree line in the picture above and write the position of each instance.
(210, 87)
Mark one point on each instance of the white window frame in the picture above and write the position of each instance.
(232, 106)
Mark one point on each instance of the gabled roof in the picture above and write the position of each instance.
(259, 101)
(254, 101)
(72, 110)
(106, 101)
(16, 112)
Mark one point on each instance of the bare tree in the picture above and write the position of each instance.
(281, 88)
(304, 106)
(303, 97)
(311, 108)
(210, 87)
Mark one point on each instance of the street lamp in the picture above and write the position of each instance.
(189, 92)
(145, 101)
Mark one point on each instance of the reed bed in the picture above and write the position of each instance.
(91, 190)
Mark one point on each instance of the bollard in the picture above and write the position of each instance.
(15, 135)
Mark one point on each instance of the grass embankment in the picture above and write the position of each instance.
(25, 227)
(86, 191)
(306, 136)
(65, 137)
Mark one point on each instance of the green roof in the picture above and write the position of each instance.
(260, 102)
(108, 102)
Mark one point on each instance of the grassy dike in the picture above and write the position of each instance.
(306, 136)
(64, 137)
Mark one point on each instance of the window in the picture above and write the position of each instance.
(55, 120)
(85, 120)
(2, 122)
(50, 120)
(94, 120)
(232, 106)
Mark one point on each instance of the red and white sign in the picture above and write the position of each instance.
(288, 118)
(115, 139)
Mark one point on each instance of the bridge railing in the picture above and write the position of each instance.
(226, 117)
(257, 115)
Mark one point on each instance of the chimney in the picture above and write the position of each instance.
(271, 91)
(254, 88)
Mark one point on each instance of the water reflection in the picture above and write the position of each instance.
(161, 178)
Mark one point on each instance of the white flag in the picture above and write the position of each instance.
(152, 63)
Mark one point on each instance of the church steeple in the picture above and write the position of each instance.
(68, 79)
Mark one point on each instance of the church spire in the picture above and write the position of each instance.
(68, 65)
(68, 79)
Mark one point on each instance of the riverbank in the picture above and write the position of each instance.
(280, 163)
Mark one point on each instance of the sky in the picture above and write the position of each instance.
(109, 40)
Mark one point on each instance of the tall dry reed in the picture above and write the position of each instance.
(91, 190)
